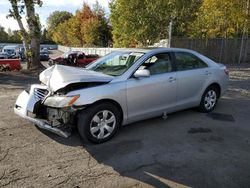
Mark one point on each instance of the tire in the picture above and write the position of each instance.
(94, 127)
(209, 99)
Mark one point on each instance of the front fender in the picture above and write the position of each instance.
(112, 91)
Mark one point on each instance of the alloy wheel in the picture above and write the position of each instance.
(210, 99)
(102, 124)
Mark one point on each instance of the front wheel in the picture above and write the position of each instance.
(209, 99)
(99, 122)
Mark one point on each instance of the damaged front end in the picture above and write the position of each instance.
(49, 104)
(47, 111)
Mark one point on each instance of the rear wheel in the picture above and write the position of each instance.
(209, 99)
(99, 122)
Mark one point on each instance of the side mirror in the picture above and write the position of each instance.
(142, 73)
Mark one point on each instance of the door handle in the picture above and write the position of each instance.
(171, 79)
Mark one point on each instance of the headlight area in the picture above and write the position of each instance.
(58, 113)
(59, 101)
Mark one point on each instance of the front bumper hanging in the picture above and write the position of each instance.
(24, 107)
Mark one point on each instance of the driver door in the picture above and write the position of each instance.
(151, 96)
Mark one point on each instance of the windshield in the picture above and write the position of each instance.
(65, 55)
(115, 63)
(9, 51)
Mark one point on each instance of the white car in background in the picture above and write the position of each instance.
(3, 55)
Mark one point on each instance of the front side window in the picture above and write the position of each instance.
(188, 61)
(158, 64)
(116, 63)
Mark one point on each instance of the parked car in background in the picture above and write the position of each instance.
(74, 58)
(4, 55)
(21, 53)
(12, 51)
(1, 47)
(43, 49)
(44, 56)
(120, 88)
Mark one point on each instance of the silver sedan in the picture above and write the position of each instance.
(120, 88)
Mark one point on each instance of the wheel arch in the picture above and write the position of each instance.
(112, 102)
(218, 87)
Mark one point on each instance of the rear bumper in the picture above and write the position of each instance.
(224, 85)
(24, 108)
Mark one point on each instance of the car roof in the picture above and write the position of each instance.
(75, 52)
(153, 49)
(10, 47)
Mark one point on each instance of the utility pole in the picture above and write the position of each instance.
(248, 8)
(245, 29)
(170, 32)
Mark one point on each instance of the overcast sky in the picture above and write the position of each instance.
(48, 7)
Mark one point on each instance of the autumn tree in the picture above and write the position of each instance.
(94, 26)
(32, 36)
(88, 27)
(59, 35)
(227, 18)
(68, 33)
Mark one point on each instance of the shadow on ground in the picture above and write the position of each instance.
(167, 153)
(189, 148)
(18, 79)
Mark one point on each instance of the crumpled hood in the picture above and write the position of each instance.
(59, 76)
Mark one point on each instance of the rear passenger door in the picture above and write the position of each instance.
(192, 73)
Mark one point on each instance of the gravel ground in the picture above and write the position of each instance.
(189, 149)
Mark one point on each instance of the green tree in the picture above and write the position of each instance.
(227, 18)
(3, 35)
(56, 18)
(45, 37)
(143, 22)
(14, 36)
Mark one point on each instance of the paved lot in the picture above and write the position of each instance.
(189, 149)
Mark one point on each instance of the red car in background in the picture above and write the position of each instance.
(74, 58)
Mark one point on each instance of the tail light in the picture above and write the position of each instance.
(226, 71)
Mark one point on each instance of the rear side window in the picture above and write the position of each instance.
(188, 61)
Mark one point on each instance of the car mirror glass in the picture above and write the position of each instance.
(142, 73)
